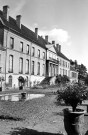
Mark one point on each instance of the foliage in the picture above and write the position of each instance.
(72, 94)
(82, 70)
(62, 79)
(21, 79)
(86, 80)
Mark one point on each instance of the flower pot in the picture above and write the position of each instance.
(73, 121)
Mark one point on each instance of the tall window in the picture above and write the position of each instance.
(11, 42)
(43, 55)
(43, 69)
(10, 81)
(21, 46)
(11, 63)
(27, 66)
(38, 73)
(27, 81)
(38, 53)
(33, 51)
(27, 49)
(21, 65)
(32, 68)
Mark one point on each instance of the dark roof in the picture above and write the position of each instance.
(24, 31)
(61, 54)
(27, 33)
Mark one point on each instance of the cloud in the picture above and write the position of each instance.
(18, 8)
(59, 35)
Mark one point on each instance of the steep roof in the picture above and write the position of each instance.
(23, 32)
(27, 34)
(61, 54)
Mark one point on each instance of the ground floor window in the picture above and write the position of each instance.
(27, 81)
(10, 80)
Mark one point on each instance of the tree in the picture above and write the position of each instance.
(82, 72)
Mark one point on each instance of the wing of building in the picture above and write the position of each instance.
(25, 54)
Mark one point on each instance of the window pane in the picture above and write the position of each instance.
(11, 42)
(11, 63)
(21, 65)
(38, 68)
(43, 55)
(33, 51)
(27, 49)
(38, 53)
(43, 69)
(32, 70)
(27, 66)
(21, 46)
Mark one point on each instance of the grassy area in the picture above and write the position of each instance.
(40, 114)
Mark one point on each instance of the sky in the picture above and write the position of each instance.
(65, 21)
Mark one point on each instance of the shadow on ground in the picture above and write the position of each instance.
(86, 133)
(26, 131)
(7, 117)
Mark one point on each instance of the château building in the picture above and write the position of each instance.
(23, 53)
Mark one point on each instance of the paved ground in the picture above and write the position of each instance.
(25, 117)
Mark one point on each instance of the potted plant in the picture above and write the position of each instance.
(73, 95)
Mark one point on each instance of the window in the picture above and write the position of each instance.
(38, 73)
(27, 51)
(43, 55)
(10, 80)
(11, 42)
(11, 63)
(73, 74)
(21, 65)
(38, 53)
(60, 62)
(21, 46)
(43, 69)
(60, 71)
(0, 59)
(66, 72)
(27, 81)
(32, 69)
(66, 64)
(33, 51)
(27, 66)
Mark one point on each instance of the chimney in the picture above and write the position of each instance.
(18, 20)
(6, 12)
(36, 32)
(59, 48)
(53, 42)
(46, 38)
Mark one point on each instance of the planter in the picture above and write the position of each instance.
(73, 121)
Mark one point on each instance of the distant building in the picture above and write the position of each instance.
(73, 74)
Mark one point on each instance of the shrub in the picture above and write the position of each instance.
(72, 95)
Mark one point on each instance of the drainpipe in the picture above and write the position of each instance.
(6, 54)
(30, 65)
